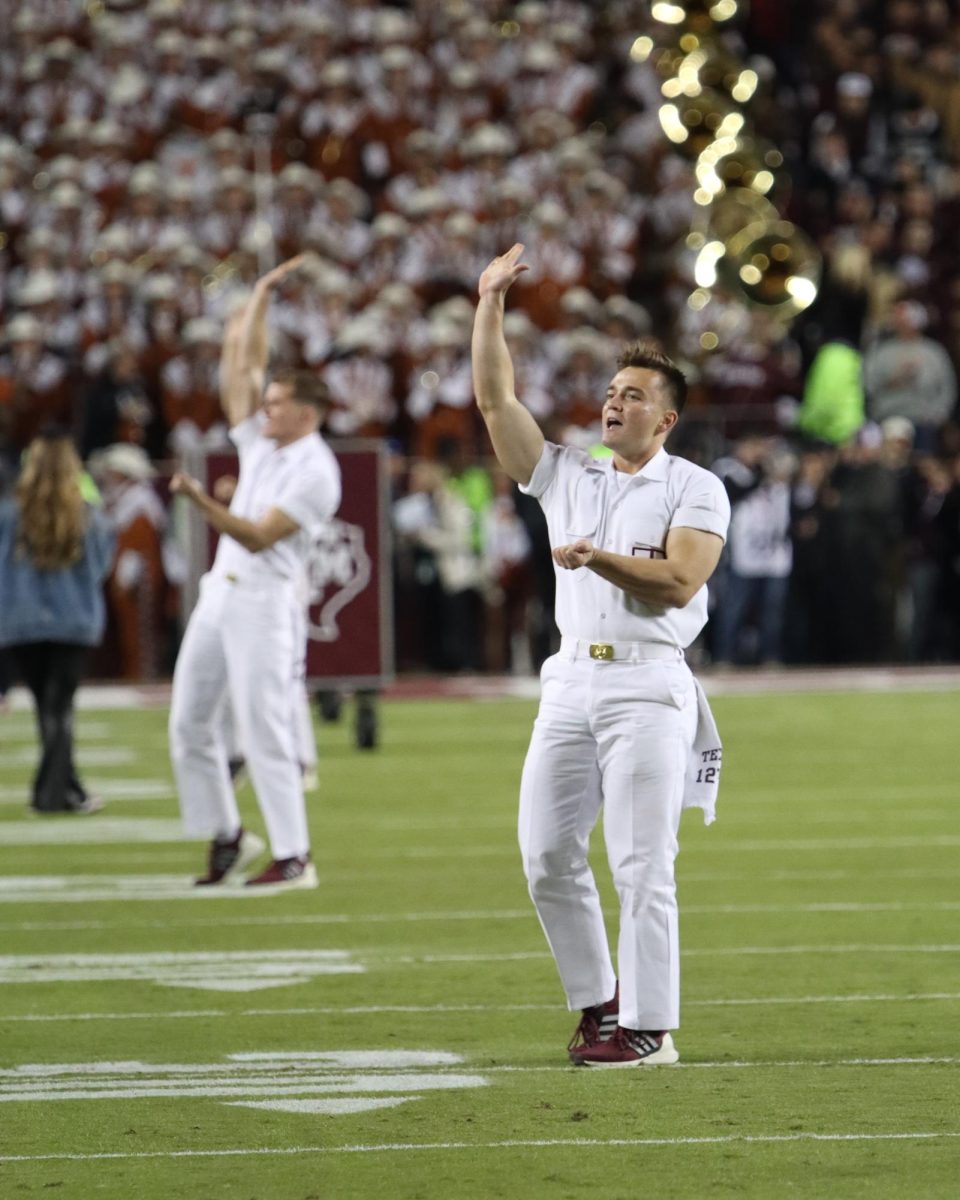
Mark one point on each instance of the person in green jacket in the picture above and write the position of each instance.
(833, 406)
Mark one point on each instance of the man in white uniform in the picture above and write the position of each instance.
(242, 636)
(622, 723)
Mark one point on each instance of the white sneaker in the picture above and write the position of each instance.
(627, 1048)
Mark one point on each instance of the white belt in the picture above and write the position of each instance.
(571, 647)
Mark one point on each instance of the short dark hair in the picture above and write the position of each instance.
(643, 354)
(306, 387)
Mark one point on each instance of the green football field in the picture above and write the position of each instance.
(400, 1032)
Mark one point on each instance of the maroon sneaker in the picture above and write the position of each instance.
(286, 874)
(227, 858)
(596, 1025)
(628, 1048)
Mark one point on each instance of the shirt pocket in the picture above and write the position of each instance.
(643, 534)
(585, 515)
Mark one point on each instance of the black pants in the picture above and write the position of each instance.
(6, 670)
(52, 670)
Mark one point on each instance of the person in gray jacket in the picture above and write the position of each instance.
(910, 375)
(55, 552)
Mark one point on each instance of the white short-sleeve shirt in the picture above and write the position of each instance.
(584, 497)
(302, 479)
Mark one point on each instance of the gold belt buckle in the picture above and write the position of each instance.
(602, 651)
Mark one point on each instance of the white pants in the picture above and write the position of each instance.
(616, 735)
(239, 645)
(304, 737)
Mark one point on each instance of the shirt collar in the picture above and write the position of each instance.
(293, 449)
(655, 470)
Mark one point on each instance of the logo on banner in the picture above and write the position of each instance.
(337, 571)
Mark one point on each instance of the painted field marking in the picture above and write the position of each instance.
(838, 843)
(45, 831)
(230, 971)
(387, 956)
(757, 793)
(87, 889)
(21, 728)
(762, 816)
(249, 970)
(853, 948)
(87, 756)
(363, 1010)
(109, 789)
(829, 906)
(80, 889)
(484, 823)
(821, 876)
(713, 844)
(413, 1147)
(738, 1064)
(103, 698)
(374, 957)
(330, 1083)
(113, 1080)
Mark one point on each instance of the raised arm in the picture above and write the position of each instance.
(230, 374)
(517, 439)
(246, 348)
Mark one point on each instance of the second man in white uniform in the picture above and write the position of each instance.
(241, 639)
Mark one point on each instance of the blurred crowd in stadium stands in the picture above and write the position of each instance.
(407, 144)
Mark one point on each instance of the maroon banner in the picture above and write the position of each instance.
(349, 623)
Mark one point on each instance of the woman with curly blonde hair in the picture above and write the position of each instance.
(55, 552)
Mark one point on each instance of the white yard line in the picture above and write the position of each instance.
(814, 876)
(747, 792)
(22, 728)
(761, 815)
(82, 889)
(100, 697)
(132, 830)
(375, 957)
(719, 844)
(895, 842)
(110, 789)
(386, 955)
(440, 1009)
(99, 829)
(389, 957)
(920, 1060)
(378, 956)
(290, 1082)
(829, 906)
(87, 756)
(224, 971)
(305, 1073)
(512, 1144)
(268, 1088)
(77, 889)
